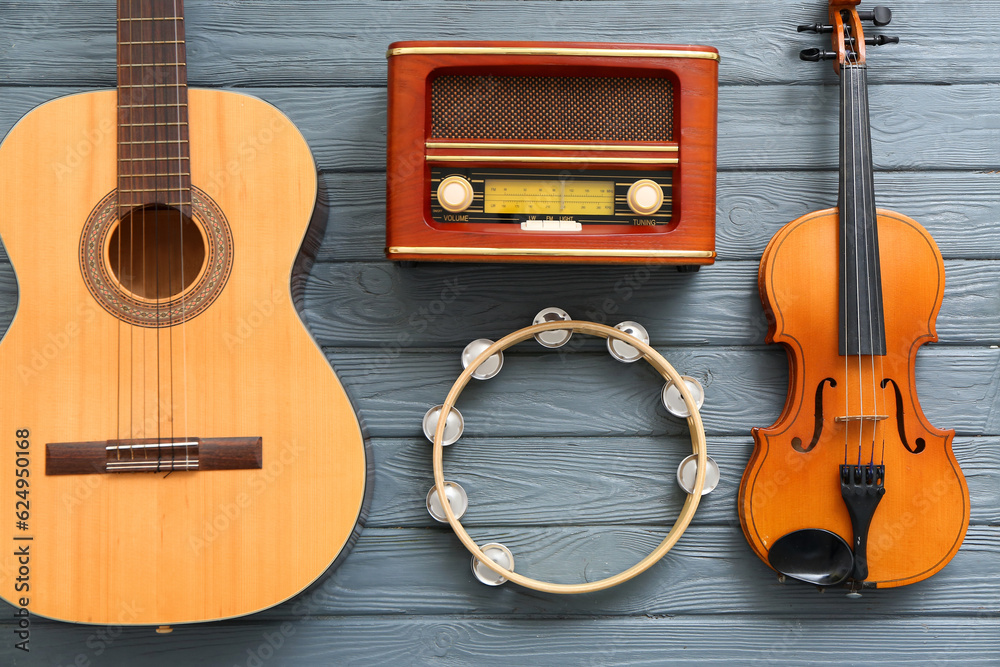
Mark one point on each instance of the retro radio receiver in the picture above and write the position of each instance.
(551, 152)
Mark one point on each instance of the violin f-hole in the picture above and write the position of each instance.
(818, 430)
(919, 442)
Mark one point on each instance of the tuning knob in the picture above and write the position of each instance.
(878, 16)
(816, 27)
(645, 197)
(815, 55)
(455, 194)
(880, 40)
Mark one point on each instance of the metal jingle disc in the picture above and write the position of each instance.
(674, 402)
(488, 368)
(458, 499)
(453, 427)
(500, 555)
(688, 469)
(557, 337)
(621, 350)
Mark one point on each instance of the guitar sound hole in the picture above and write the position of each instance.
(156, 252)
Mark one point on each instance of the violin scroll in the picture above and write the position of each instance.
(846, 34)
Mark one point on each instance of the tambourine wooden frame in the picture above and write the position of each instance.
(695, 426)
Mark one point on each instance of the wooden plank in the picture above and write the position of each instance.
(431, 305)
(918, 127)
(598, 481)
(709, 571)
(581, 640)
(539, 393)
(391, 308)
(305, 43)
(960, 210)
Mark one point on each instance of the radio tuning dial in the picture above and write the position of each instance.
(455, 194)
(645, 197)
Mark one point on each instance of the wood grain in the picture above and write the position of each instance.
(598, 481)
(916, 127)
(292, 44)
(935, 104)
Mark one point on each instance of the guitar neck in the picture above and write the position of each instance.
(153, 153)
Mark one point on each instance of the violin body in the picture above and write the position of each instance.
(791, 481)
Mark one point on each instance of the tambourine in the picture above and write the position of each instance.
(619, 339)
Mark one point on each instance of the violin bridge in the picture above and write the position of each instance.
(860, 418)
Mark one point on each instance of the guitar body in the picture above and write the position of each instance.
(151, 547)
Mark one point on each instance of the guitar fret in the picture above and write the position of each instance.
(150, 85)
(165, 203)
(174, 175)
(152, 106)
(149, 159)
(155, 18)
(169, 41)
(152, 189)
(164, 141)
(150, 124)
(154, 65)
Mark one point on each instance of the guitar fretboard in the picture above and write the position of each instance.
(153, 157)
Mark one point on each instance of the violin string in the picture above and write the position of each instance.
(867, 198)
(848, 77)
(880, 311)
(843, 253)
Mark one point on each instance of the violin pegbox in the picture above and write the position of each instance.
(846, 34)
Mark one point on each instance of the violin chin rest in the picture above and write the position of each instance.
(813, 555)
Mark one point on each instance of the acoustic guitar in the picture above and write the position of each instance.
(176, 446)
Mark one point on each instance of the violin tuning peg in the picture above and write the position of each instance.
(815, 27)
(880, 40)
(815, 55)
(879, 16)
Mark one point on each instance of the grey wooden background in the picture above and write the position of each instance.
(568, 458)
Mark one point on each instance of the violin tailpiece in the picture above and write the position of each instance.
(862, 487)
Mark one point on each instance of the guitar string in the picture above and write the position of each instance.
(182, 198)
(157, 179)
(120, 149)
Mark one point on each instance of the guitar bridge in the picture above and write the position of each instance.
(152, 455)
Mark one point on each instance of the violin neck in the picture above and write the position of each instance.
(862, 329)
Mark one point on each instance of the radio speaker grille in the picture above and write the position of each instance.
(552, 108)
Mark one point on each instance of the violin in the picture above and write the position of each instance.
(852, 485)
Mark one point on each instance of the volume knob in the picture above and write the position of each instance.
(645, 197)
(455, 194)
